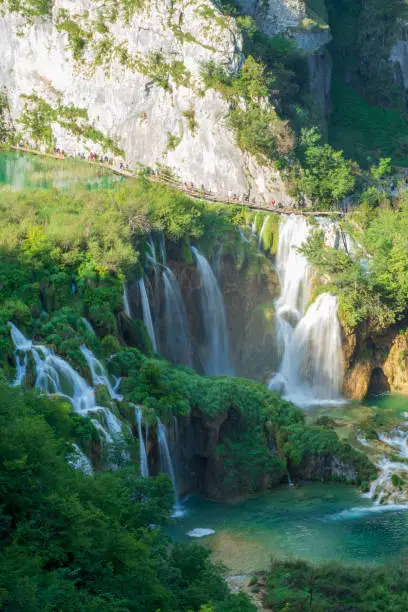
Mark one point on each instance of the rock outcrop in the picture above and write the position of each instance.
(375, 364)
(111, 79)
(296, 21)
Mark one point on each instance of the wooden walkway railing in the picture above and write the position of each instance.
(191, 191)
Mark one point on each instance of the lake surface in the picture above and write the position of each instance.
(24, 171)
(316, 522)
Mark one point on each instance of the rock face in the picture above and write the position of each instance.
(376, 364)
(135, 77)
(296, 21)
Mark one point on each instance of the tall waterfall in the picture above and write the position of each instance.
(55, 376)
(126, 303)
(310, 344)
(147, 315)
(144, 467)
(177, 339)
(167, 464)
(216, 354)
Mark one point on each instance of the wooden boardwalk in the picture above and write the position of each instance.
(192, 192)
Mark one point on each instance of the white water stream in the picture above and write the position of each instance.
(309, 341)
(55, 376)
(215, 346)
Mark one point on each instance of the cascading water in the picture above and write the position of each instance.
(126, 303)
(310, 344)
(21, 369)
(54, 376)
(216, 354)
(311, 369)
(177, 339)
(99, 374)
(79, 460)
(144, 467)
(88, 325)
(147, 315)
(167, 465)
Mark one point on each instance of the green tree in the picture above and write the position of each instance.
(327, 177)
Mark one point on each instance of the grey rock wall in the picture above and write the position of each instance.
(123, 99)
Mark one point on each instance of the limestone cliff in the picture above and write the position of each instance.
(295, 20)
(124, 79)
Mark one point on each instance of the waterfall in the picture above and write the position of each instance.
(55, 376)
(167, 465)
(144, 467)
(88, 325)
(216, 360)
(99, 374)
(311, 368)
(79, 460)
(126, 303)
(147, 315)
(253, 226)
(21, 369)
(264, 224)
(177, 340)
(310, 344)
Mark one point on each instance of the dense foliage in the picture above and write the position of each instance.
(370, 281)
(73, 542)
(297, 586)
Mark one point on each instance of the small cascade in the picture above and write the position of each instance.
(216, 361)
(167, 464)
(55, 376)
(309, 342)
(147, 315)
(99, 374)
(21, 369)
(79, 460)
(126, 303)
(177, 338)
(382, 489)
(88, 325)
(144, 467)
(260, 239)
(162, 247)
(253, 226)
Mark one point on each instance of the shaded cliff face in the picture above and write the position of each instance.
(375, 364)
(310, 31)
(249, 292)
(134, 80)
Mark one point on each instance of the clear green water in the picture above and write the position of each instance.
(24, 171)
(316, 522)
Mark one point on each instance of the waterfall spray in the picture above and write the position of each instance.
(216, 357)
